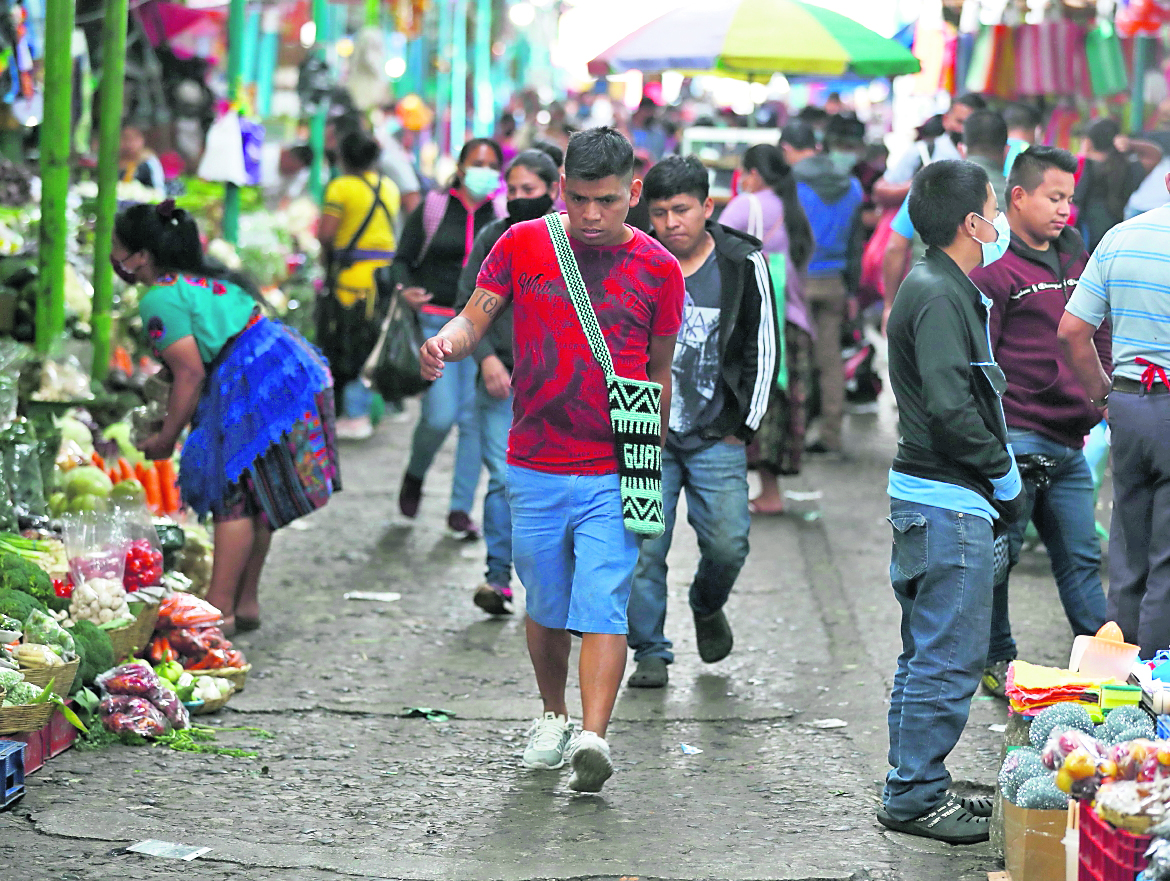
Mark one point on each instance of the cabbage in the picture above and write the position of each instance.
(119, 433)
(86, 480)
(73, 430)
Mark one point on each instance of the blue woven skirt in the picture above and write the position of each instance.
(262, 442)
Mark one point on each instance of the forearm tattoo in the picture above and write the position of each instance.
(461, 334)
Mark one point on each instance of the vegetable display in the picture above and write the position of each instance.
(100, 600)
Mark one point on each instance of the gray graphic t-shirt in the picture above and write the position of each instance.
(697, 394)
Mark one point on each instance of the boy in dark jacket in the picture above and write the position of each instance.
(952, 479)
(724, 369)
(1048, 412)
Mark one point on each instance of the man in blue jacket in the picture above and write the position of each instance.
(832, 198)
(952, 484)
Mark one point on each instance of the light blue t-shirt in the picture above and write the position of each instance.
(901, 224)
(1128, 280)
(1015, 148)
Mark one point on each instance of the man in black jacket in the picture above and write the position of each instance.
(953, 481)
(725, 365)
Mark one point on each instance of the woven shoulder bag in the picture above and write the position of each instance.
(635, 406)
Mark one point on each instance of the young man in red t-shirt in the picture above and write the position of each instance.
(572, 552)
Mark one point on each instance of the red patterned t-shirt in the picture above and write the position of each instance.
(560, 413)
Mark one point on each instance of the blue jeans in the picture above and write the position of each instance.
(357, 399)
(1063, 514)
(941, 572)
(715, 480)
(448, 401)
(495, 421)
(573, 552)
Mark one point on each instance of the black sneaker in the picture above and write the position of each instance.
(494, 599)
(713, 634)
(949, 822)
(461, 527)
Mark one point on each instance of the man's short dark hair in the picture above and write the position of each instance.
(1021, 116)
(676, 176)
(813, 115)
(973, 100)
(1030, 167)
(941, 197)
(844, 131)
(985, 133)
(597, 153)
(799, 136)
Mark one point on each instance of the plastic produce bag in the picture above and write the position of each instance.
(41, 629)
(197, 642)
(223, 156)
(121, 714)
(144, 555)
(96, 546)
(19, 446)
(185, 610)
(12, 358)
(169, 705)
(134, 680)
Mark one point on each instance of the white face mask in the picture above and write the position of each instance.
(992, 251)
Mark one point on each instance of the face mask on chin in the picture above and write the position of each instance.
(122, 272)
(520, 210)
(956, 138)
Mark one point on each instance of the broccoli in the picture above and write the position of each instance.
(21, 574)
(18, 604)
(94, 649)
(22, 693)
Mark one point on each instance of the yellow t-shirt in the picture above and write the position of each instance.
(348, 198)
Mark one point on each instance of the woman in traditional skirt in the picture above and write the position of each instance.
(768, 208)
(258, 398)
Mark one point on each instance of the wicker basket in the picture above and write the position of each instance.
(236, 675)
(62, 677)
(211, 706)
(134, 638)
(31, 717)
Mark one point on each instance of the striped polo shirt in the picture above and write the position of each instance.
(1128, 280)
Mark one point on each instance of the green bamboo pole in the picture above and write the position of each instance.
(317, 126)
(55, 141)
(443, 74)
(109, 133)
(237, 23)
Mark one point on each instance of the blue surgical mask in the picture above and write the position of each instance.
(481, 182)
(992, 251)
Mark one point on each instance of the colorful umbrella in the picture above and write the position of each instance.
(752, 39)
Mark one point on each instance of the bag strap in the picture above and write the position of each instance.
(361, 231)
(578, 294)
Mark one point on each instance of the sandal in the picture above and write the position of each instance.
(979, 805)
(757, 511)
(948, 822)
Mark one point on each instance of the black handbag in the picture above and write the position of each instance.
(393, 368)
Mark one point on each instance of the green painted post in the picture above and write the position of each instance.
(443, 74)
(109, 134)
(267, 60)
(317, 125)
(237, 22)
(485, 105)
(55, 143)
(459, 75)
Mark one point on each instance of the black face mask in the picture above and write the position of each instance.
(520, 210)
(956, 138)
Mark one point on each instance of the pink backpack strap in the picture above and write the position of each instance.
(434, 207)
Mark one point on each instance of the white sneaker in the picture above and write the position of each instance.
(589, 756)
(547, 739)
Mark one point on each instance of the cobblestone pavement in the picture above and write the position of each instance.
(346, 788)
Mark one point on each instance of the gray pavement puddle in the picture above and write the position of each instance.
(351, 791)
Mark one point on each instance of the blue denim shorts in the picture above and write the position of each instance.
(571, 550)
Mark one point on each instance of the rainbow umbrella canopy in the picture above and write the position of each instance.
(753, 39)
